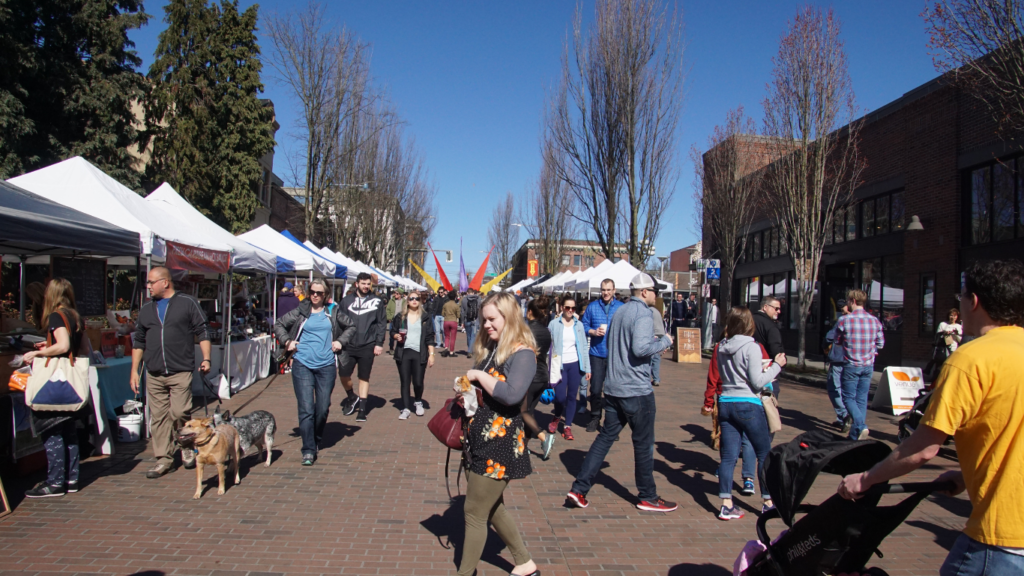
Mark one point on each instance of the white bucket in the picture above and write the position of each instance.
(129, 427)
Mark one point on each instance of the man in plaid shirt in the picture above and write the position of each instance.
(860, 335)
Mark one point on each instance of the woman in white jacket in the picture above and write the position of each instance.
(740, 411)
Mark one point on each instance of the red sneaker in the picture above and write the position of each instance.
(553, 426)
(567, 433)
(579, 500)
(658, 505)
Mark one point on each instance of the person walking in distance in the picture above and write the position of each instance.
(834, 381)
(767, 333)
(710, 324)
(692, 311)
(861, 336)
(366, 310)
(318, 334)
(595, 320)
(569, 343)
(536, 314)
(629, 397)
(469, 308)
(413, 330)
(286, 300)
(504, 364)
(164, 340)
(451, 313)
(678, 313)
(436, 309)
(395, 306)
(978, 401)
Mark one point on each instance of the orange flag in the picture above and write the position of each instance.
(478, 278)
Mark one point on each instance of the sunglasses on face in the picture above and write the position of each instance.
(776, 308)
(414, 298)
(319, 293)
(568, 307)
(150, 282)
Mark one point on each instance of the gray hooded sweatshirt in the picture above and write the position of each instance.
(739, 365)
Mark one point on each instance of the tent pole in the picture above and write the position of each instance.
(21, 291)
(113, 292)
(149, 265)
(228, 356)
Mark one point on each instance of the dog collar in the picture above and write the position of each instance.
(210, 439)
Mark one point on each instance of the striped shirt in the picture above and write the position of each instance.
(860, 335)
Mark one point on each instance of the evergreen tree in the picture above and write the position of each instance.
(68, 82)
(207, 127)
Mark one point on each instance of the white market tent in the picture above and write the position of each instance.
(588, 277)
(266, 238)
(621, 273)
(77, 184)
(555, 281)
(245, 256)
(517, 286)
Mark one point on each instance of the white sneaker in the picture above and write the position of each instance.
(404, 415)
(864, 434)
(419, 408)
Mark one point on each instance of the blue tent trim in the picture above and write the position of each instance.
(340, 271)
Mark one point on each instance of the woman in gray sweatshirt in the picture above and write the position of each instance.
(740, 411)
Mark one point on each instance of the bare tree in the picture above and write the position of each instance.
(818, 164)
(727, 189)
(547, 212)
(981, 43)
(502, 234)
(613, 120)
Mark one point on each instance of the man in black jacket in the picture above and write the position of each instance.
(766, 330)
(164, 340)
(367, 311)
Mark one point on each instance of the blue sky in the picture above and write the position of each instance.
(471, 79)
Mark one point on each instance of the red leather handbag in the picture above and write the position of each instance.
(446, 424)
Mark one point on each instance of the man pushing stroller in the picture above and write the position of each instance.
(978, 400)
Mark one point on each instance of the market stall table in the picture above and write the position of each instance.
(115, 384)
(250, 362)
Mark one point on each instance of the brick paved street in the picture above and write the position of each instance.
(375, 502)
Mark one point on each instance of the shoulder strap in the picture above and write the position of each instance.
(71, 352)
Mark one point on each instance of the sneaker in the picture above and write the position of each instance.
(307, 459)
(549, 441)
(863, 434)
(158, 471)
(44, 490)
(748, 487)
(579, 500)
(837, 424)
(766, 507)
(847, 424)
(403, 416)
(592, 425)
(72, 486)
(351, 408)
(553, 426)
(188, 459)
(567, 433)
(733, 513)
(361, 416)
(658, 505)
(419, 408)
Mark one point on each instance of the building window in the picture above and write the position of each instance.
(577, 260)
(896, 212)
(867, 212)
(882, 280)
(927, 304)
(881, 215)
(851, 223)
(839, 229)
(782, 243)
(755, 249)
(995, 196)
(565, 260)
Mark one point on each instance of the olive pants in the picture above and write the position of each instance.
(485, 503)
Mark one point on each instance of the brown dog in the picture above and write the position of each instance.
(216, 445)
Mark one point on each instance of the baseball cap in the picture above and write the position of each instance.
(289, 285)
(642, 281)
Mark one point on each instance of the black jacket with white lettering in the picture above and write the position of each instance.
(368, 314)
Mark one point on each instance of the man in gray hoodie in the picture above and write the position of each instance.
(629, 397)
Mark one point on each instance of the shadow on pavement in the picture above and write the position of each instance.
(943, 536)
(698, 570)
(573, 461)
(696, 462)
(333, 433)
(450, 530)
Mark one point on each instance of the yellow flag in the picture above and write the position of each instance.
(494, 282)
(434, 284)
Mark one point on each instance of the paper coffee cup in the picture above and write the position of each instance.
(604, 326)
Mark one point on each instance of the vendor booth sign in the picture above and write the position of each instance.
(185, 257)
(898, 389)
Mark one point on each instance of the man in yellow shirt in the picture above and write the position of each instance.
(979, 400)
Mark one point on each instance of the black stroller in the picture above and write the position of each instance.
(838, 535)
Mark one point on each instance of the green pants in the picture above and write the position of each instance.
(485, 503)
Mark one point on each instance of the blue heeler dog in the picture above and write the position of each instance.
(254, 429)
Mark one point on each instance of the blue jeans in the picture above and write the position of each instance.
(313, 389)
(739, 419)
(749, 457)
(639, 413)
(969, 557)
(856, 382)
(471, 328)
(61, 443)
(834, 387)
(598, 369)
(566, 391)
(439, 331)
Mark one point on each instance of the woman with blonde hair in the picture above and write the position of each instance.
(413, 332)
(58, 430)
(504, 366)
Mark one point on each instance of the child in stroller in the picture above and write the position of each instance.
(817, 544)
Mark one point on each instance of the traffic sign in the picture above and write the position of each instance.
(714, 273)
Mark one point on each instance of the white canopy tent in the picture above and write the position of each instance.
(590, 276)
(549, 285)
(621, 273)
(266, 238)
(77, 184)
(245, 256)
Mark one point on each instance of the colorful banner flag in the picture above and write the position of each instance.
(478, 278)
(463, 280)
(494, 282)
(433, 284)
(185, 257)
(440, 271)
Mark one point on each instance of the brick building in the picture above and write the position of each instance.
(576, 255)
(933, 154)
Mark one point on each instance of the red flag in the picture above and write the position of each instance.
(478, 278)
(440, 271)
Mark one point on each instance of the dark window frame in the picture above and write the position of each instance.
(1015, 165)
(924, 329)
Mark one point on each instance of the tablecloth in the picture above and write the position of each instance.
(115, 383)
(24, 444)
(250, 362)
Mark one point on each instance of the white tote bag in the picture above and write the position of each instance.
(58, 384)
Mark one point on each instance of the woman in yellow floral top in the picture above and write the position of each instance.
(505, 363)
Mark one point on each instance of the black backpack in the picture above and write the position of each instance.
(472, 309)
